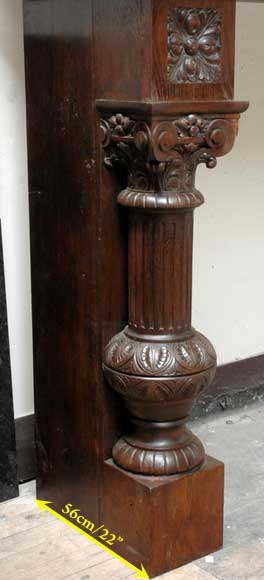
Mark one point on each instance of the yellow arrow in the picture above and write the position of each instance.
(45, 505)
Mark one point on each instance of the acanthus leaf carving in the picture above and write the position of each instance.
(163, 157)
(160, 359)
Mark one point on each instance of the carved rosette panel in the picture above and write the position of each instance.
(194, 45)
(159, 364)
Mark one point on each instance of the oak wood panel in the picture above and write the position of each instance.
(72, 225)
(123, 49)
(170, 515)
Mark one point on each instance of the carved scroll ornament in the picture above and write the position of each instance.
(164, 157)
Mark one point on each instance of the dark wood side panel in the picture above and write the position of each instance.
(75, 235)
(78, 235)
(61, 143)
(26, 449)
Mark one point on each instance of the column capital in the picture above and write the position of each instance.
(159, 147)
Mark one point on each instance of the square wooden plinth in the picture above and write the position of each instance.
(166, 521)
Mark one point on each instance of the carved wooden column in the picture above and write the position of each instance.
(159, 363)
(158, 77)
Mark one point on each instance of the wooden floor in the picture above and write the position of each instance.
(35, 545)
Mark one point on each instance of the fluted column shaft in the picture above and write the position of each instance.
(160, 267)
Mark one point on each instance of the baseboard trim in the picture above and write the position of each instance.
(235, 385)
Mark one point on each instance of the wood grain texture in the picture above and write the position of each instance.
(26, 448)
(151, 264)
(57, 191)
(72, 308)
(173, 509)
(123, 43)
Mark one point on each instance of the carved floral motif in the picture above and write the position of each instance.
(194, 45)
(164, 157)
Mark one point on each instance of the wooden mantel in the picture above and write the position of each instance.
(125, 99)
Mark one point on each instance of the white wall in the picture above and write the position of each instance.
(228, 300)
(229, 235)
(14, 202)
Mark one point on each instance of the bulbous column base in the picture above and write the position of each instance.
(158, 448)
(159, 382)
